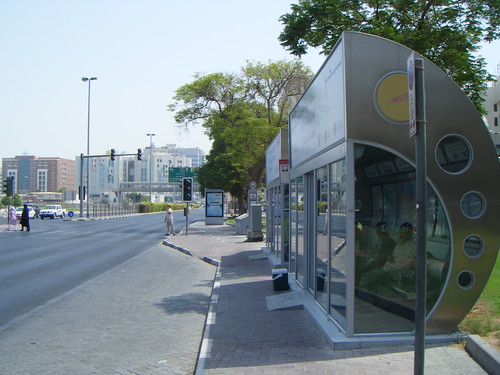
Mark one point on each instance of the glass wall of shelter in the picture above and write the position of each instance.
(382, 252)
(353, 193)
(277, 221)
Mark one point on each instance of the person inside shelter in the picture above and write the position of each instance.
(399, 269)
(378, 255)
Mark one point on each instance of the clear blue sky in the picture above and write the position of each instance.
(141, 51)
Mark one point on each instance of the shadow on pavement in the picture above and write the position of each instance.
(185, 303)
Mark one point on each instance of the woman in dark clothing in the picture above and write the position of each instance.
(25, 219)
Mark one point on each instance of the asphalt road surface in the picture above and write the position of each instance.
(58, 255)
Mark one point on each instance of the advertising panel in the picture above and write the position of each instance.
(318, 120)
(214, 204)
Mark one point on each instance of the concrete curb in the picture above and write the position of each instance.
(483, 353)
(206, 340)
(213, 262)
(205, 351)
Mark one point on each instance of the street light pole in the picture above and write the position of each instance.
(85, 79)
(150, 135)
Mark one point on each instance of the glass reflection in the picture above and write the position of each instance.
(293, 227)
(453, 154)
(337, 227)
(286, 223)
(321, 261)
(301, 261)
(385, 246)
(277, 221)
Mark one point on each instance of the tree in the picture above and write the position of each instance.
(15, 200)
(137, 197)
(241, 113)
(447, 32)
(277, 85)
(220, 171)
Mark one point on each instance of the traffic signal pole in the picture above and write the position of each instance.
(8, 188)
(187, 218)
(187, 196)
(82, 191)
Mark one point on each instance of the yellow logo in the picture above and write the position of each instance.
(391, 98)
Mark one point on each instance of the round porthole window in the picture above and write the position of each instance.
(473, 205)
(453, 154)
(465, 279)
(473, 246)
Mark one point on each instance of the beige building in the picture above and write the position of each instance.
(492, 105)
(39, 174)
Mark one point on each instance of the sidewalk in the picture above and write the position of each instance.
(243, 337)
(145, 316)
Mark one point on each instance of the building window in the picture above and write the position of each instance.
(495, 107)
(495, 121)
(41, 180)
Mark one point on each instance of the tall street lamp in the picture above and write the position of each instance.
(85, 79)
(150, 135)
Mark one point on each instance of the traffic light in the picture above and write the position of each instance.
(8, 186)
(187, 189)
(5, 185)
(139, 154)
(113, 154)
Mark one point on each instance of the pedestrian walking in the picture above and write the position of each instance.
(169, 220)
(12, 218)
(25, 219)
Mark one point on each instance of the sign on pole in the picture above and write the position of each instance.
(411, 95)
(175, 174)
(284, 171)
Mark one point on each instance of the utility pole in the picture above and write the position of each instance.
(417, 120)
(151, 135)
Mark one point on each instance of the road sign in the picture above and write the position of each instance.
(175, 174)
(71, 213)
(412, 123)
(284, 171)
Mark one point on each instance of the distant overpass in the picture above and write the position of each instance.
(156, 187)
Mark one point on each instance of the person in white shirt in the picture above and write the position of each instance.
(399, 265)
(169, 220)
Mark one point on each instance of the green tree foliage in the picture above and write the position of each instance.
(241, 113)
(447, 32)
(137, 197)
(13, 201)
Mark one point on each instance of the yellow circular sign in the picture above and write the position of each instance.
(391, 98)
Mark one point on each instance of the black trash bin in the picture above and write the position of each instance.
(280, 279)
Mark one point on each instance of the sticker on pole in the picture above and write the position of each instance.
(284, 171)
(412, 123)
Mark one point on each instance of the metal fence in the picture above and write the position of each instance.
(110, 210)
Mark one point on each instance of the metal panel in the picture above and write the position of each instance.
(318, 119)
(449, 114)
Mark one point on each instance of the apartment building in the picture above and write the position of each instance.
(492, 105)
(39, 174)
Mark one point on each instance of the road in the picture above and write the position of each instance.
(59, 255)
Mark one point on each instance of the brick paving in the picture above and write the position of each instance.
(145, 316)
(243, 337)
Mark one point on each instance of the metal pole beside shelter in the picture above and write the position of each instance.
(421, 205)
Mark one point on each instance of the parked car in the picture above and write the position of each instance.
(19, 212)
(36, 208)
(52, 211)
